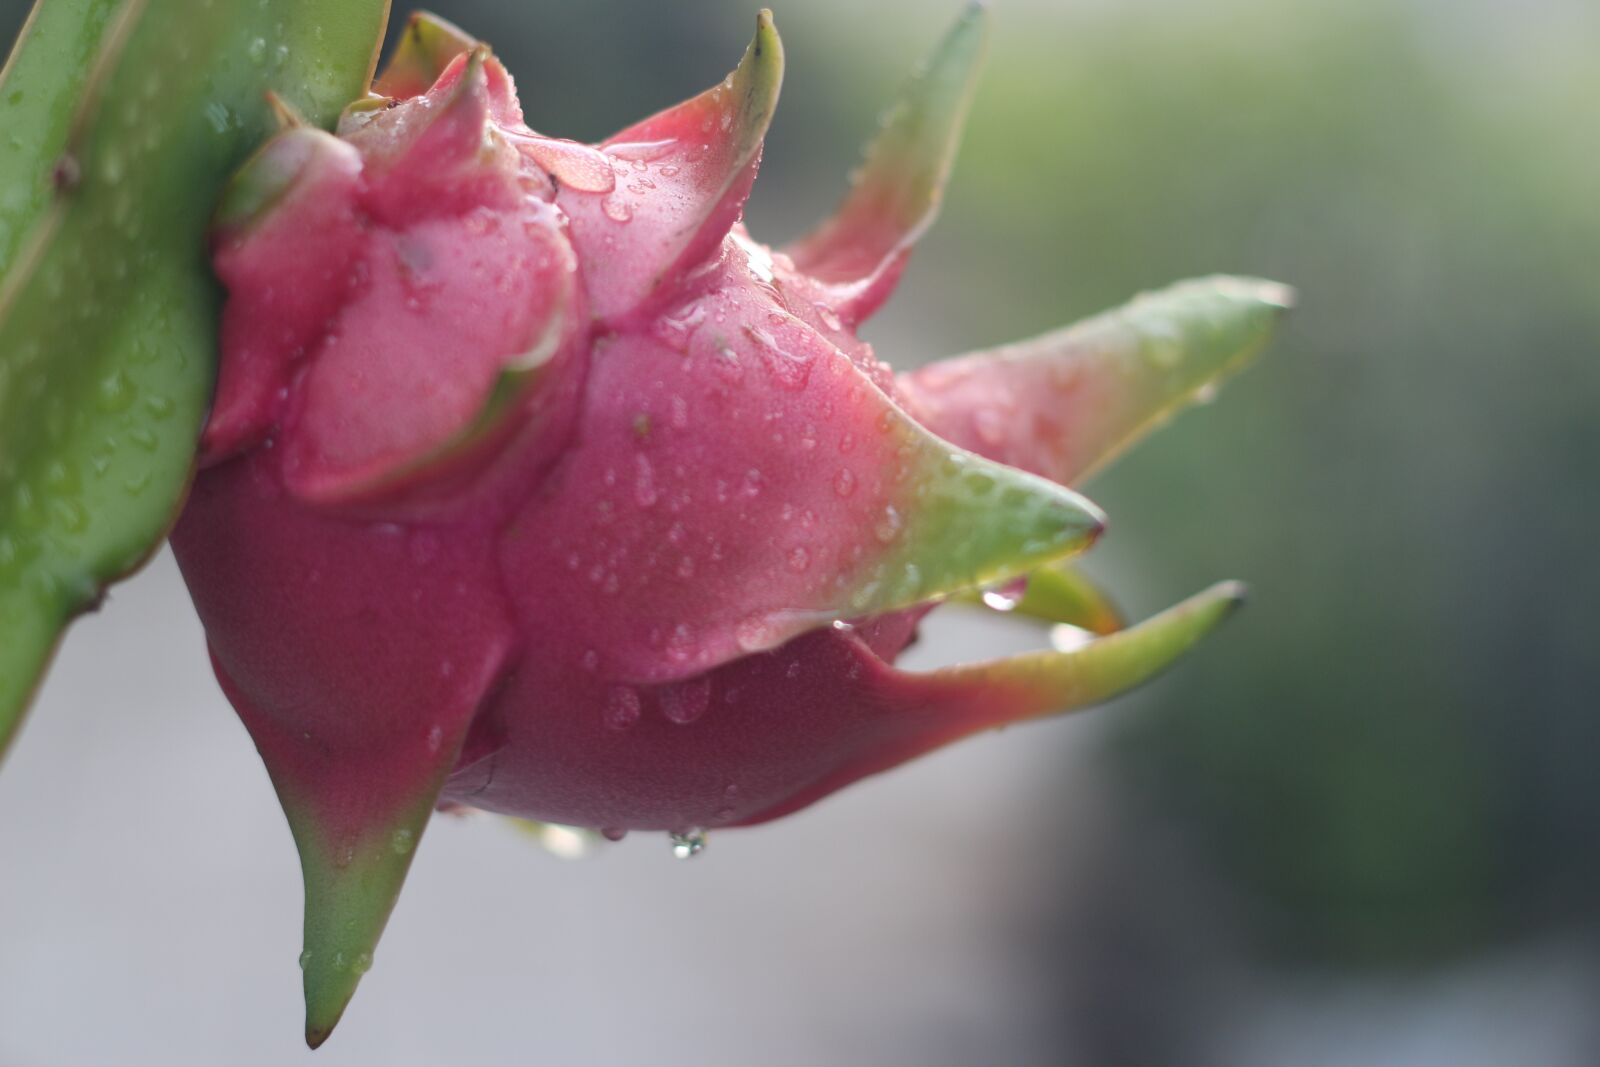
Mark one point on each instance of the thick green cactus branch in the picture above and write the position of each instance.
(126, 118)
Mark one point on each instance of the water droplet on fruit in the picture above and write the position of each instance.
(562, 842)
(641, 151)
(688, 844)
(577, 166)
(754, 633)
(990, 427)
(622, 708)
(644, 482)
(759, 258)
(1162, 346)
(402, 842)
(791, 367)
(677, 330)
(889, 525)
(613, 833)
(617, 210)
(680, 645)
(1064, 638)
(845, 483)
(116, 393)
(998, 601)
(424, 547)
(305, 959)
(978, 483)
(686, 702)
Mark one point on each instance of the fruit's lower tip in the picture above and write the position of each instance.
(318, 1033)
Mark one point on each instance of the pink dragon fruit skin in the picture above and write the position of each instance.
(534, 484)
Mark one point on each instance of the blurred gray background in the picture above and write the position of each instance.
(1360, 827)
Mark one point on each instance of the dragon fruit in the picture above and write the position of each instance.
(535, 484)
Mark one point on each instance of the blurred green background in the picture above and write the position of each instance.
(1386, 767)
(1393, 755)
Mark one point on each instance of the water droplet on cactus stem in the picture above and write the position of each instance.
(689, 844)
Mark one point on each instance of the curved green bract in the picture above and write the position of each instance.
(1049, 683)
(1057, 594)
(108, 310)
(426, 48)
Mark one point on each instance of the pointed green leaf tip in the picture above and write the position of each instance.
(351, 888)
(970, 523)
(896, 195)
(426, 48)
(1045, 683)
(756, 84)
(713, 148)
(1066, 404)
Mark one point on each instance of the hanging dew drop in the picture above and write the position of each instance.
(1065, 638)
(688, 844)
(995, 600)
(563, 842)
